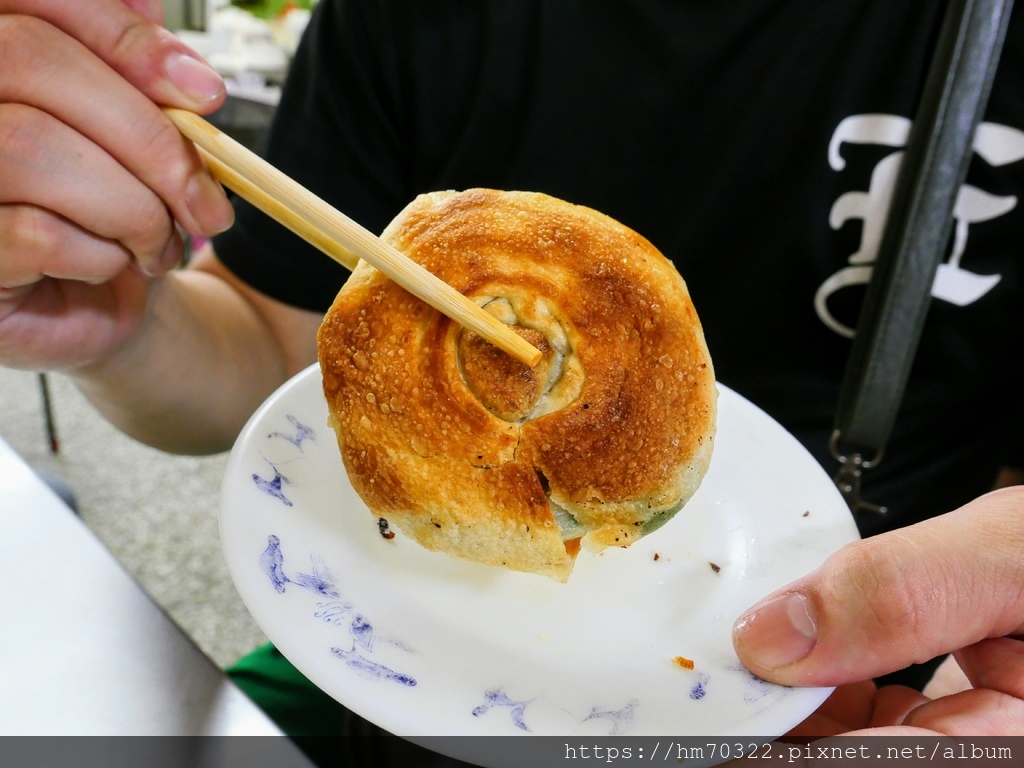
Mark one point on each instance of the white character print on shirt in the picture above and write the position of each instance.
(997, 144)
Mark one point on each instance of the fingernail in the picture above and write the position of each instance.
(166, 260)
(778, 632)
(207, 203)
(173, 253)
(193, 78)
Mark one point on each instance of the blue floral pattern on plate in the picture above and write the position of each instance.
(320, 582)
(296, 436)
(425, 645)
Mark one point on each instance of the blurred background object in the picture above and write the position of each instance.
(155, 512)
(250, 43)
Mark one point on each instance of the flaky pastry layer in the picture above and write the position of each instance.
(471, 453)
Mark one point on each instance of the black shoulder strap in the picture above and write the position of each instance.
(916, 235)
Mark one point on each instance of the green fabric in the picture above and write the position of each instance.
(287, 696)
(330, 735)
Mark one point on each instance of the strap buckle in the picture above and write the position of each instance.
(848, 477)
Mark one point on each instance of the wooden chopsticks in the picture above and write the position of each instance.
(334, 233)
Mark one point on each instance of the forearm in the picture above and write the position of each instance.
(202, 360)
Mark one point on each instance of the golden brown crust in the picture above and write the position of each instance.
(458, 445)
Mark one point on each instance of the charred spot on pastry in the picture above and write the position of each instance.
(469, 452)
(507, 388)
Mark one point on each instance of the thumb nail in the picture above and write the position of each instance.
(777, 632)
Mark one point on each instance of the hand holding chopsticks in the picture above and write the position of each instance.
(334, 233)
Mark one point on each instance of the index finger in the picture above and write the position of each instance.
(127, 36)
(60, 76)
(896, 599)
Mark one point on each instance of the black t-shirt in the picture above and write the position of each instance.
(753, 143)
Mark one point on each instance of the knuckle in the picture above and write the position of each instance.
(872, 578)
(149, 225)
(22, 129)
(167, 146)
(30, 50)
(138, 49)
(23, 39)
(158, 140)
(136, 34)
(35, 231)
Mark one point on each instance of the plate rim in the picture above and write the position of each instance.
(354, 702)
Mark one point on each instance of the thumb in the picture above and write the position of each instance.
(900, 598)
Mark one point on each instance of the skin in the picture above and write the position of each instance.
(953, 584)
(91, 208)
(92, 203)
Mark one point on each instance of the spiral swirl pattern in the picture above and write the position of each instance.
(472, 453)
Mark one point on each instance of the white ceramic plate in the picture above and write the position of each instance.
(425, 645)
